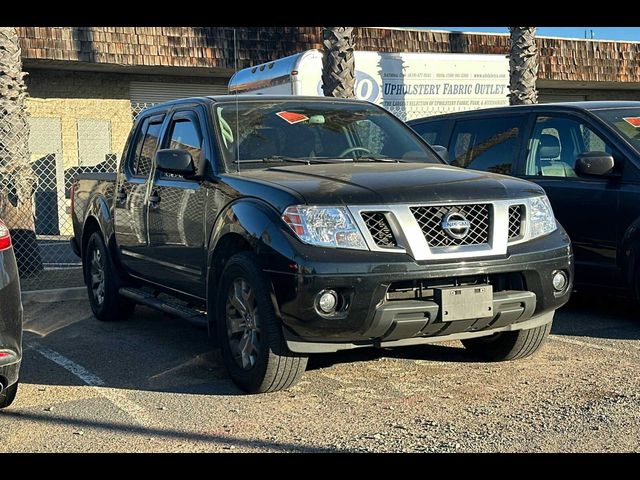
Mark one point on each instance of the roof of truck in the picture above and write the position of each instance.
(246, 98)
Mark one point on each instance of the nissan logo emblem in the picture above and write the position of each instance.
(456, 225)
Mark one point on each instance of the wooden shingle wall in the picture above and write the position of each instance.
(212, 47)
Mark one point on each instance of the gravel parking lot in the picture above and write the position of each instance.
(154, 384)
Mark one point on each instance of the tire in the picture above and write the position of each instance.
(8, 395)
(509, 345)
(106, 303)
(267, 364)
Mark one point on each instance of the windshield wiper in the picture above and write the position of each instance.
(282, 159)
(371, 158)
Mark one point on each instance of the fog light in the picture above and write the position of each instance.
(327, 301)
(559, 281)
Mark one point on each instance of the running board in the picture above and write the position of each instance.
(150, 300)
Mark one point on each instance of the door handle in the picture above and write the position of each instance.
(154, 199)
(121, 197)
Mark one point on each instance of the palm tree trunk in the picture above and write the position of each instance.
(523, 66)
(338, 65)
(17, 181)
(16, 178)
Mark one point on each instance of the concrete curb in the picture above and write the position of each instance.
(54, 295)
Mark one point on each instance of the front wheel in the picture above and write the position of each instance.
(102, 283)
(253, 347)
(508, 345)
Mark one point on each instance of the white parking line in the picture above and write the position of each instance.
(118, 399)
(69, 365)
(593, 345)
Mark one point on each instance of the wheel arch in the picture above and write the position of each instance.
(245, 225)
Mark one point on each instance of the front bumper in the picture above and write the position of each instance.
(371, 319)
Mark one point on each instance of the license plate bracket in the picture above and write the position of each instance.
(464, 303)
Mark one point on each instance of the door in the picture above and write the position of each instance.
(130, 215)
(176, 208)
(585, 207)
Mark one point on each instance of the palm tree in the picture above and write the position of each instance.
(338, 65)
(523, 66)
(16, 177)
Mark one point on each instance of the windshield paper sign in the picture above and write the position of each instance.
(292, 117)
(634, 121)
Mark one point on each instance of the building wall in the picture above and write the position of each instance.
(589, 94)
(73, 96)
(211, 48)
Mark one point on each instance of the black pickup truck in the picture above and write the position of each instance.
(298, 225)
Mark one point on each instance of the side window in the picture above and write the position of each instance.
(146, 149)
(185, 135)
(137, 147)
(432, 132)
(592, 141)
(487, 144)
(556, 143)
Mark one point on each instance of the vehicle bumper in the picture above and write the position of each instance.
(373, 320)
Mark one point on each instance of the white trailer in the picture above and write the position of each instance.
(410, 85)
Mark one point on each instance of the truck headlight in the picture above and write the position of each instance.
(541, 218)
(324, 226)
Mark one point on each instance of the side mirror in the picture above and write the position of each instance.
(175, 161)
(594, 163)
(442, 152)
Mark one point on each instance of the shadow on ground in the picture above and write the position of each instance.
(596, 315)
(155, 352)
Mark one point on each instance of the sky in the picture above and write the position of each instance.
(599, 33)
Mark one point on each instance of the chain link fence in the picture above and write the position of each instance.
(59, 151)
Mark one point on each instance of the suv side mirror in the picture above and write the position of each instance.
(442, 152)
(175, 161)
(594, 163)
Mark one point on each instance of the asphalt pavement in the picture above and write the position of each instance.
(155, 384)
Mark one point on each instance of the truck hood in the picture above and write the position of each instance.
(386, 183)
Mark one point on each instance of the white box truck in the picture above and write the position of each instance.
(410, 85)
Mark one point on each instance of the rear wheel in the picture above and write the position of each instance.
(102, 283)
(509, 345)
(250, 334)
(8, 395)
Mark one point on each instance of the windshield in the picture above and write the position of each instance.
(314, 132)
(626, 121)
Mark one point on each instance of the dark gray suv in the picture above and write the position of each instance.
(10, 320)
(586, 156)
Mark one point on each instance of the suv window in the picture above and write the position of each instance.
(185, 135)
(487, 144)
(556, 143)
(146, 148)
(432, 132)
